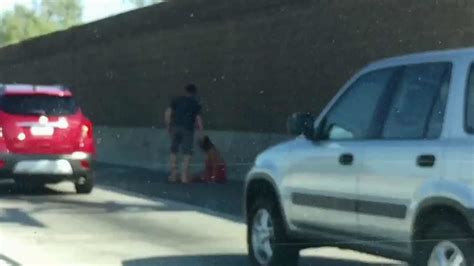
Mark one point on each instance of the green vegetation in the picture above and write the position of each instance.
(142, 3)
(44, 17)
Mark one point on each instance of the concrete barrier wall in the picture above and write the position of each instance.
(149, 148)
(256, 61)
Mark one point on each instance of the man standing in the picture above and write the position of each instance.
(182, 117)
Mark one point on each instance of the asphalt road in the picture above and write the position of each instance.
(55, 226)
(222, 198)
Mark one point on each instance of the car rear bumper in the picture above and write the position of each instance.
(42, 168)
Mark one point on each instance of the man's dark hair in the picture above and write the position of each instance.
(191, 89)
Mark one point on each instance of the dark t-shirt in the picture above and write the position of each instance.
(185, 110)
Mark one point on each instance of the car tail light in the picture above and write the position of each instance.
(87, 131)
(86, 142)
(3, 145)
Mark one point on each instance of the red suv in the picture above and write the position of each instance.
(44, 137)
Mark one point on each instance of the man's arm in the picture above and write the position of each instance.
(199, 123)
(168, 114)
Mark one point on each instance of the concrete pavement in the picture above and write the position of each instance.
(57, 227)
(54, 226)
(222, 198)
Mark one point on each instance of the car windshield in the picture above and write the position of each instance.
(38, 105)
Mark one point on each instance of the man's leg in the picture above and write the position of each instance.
(187, 149)
(175, 143)
(173, 168)
(185, 176)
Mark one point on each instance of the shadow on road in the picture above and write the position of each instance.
(10, 189)
(17, 216)
(96, 206)
(234, 260)
(222, 198)
(52, 199)
(45, 199)
(5, 261)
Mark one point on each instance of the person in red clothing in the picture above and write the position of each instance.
(216, 170)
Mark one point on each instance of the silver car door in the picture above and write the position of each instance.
(409, 154)
(323, 173)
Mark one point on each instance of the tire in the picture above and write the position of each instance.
(86, 187)
(284, 252)
(447, 237)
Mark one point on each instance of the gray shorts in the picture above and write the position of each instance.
(182, 139)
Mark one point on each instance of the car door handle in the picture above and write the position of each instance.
(426, 160)
(346, 159)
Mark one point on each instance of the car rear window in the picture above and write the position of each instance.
(38, 105)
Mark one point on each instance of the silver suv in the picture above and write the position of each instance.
(387, 168)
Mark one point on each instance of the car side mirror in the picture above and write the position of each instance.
(301, 124)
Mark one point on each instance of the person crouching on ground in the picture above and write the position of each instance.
(216, 170)
(181, 118)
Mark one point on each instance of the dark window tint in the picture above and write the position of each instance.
(418, 105)
(352, 115)
(470, 102)
(38, 105)
(435, 124)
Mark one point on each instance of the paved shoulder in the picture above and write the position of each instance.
(57, 227)
(224, 198)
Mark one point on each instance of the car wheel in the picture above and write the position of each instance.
(445, 243)
(266, 236)
(84, 185)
